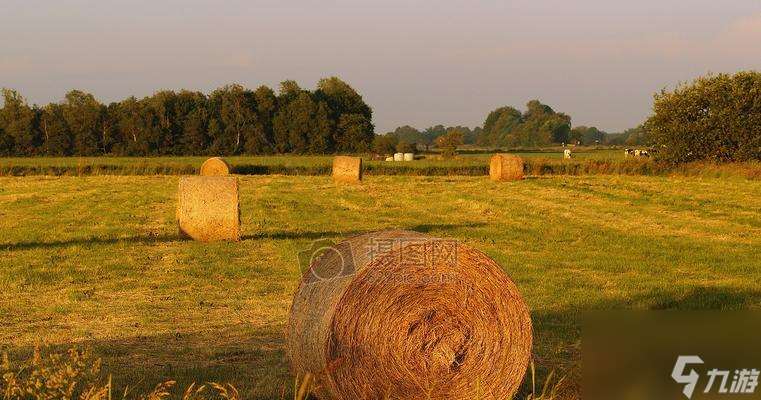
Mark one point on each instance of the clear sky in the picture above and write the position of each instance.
(415, 62)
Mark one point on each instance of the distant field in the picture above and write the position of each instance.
(549, 162)
(465, 164)
(97, 261)
(286, 160)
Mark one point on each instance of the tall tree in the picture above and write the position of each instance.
(191, 111)
(715, 118)
(354, 133)
(82, 114)
(235, 109)
(296, 124)
(17, 122)
(56, 137)
(266, 106)
(342, 98)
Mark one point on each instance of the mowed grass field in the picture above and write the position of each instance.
(294, 161)
(96, 261)
(543, 162)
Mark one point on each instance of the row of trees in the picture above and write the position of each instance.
(716, 118)
(230, 120)
(539, 125)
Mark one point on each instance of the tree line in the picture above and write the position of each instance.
(715, 118)
(507, 127)
(230, 120)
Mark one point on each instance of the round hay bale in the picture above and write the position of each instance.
(347, 169)
(402, 315)
(505, 167)
(398, 156)
(215, 166)
(409, 156)
(208, 208)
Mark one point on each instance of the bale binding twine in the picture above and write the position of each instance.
(208, 208)
(505, 167)
(215, 166)
(402, 315)
(347, 169)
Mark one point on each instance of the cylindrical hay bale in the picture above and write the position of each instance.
(215, 166)
(347, 169)
(398, 156)
(402, 315)
(505, 167)
(208, 208)
(409, 156)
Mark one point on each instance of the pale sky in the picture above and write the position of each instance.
(415, 62)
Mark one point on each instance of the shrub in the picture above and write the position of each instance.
(715, 118)
(404, 147)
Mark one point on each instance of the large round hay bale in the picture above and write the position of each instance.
(398, 156)
(409, 156)
(401, 315)
(208, 208)
(505, 167)
(215, 166)
(347, 169)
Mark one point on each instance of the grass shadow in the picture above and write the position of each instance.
(251, 359)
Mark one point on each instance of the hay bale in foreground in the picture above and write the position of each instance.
(402, 315)
(215, 166)
(505, 167)
(347, 169)
(208, 208)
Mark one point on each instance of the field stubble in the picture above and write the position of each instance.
(96, 261)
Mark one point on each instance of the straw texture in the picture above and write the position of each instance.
(347, 169)
(401, 315)
(505, 167)
(208, 208)
(215, 166)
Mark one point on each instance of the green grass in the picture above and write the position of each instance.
(465, 164)
(538, 163)
(96, 260)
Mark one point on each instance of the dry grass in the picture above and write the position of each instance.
(600, 162)
(77, 374)
(97, 261)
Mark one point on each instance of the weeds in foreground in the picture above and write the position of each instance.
(550, 389)
(77, 375)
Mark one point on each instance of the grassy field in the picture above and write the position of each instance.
(291, 161)
(546, 163)
(96, 260)
(430, 164)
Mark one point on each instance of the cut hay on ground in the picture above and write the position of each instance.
(401, 315)
(505, 167)
(208, 208)
(215, 166)
(347, 169)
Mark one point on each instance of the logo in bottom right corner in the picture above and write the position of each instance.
(714, 381)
